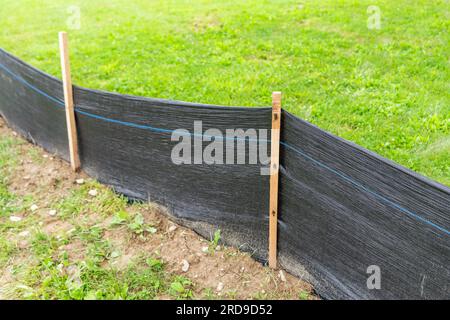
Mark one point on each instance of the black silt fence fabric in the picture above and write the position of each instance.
(342, 208)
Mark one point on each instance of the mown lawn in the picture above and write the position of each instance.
(386, 89)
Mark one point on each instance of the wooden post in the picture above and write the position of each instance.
(68, 99)
(274, 168)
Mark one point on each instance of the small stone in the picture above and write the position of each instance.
(220, 286)
(41, 223)
(45, 156)
(282, 276)
(52, 213)
(79, 181)
(205, 249)
(34, 207)
(15, 218)
(24, 234)
(172, 228)
(14, 133)
(185, 265)
(23, 244)
(26, 178)
(93, 192)
(218, 248)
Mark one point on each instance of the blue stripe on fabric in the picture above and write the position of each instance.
(301, 153)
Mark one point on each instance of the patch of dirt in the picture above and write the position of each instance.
(75, 250)
(223, 271)
(54, 226)
(204, 23)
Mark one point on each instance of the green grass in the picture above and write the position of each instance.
(54, 276)
(386, 89)
(105, 203)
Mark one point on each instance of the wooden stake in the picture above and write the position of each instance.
(68, 99)
(274, 168)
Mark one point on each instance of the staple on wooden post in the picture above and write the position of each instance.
(68, 99)
(274, 169)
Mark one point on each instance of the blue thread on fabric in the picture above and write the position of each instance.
(161, 130)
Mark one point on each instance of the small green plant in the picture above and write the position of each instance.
(120, 218)
(155, 264)
(214, 242)
(138, 226)
(180, 288)
(232, 294)
(303, 295)
(208, 294)
(261, 295)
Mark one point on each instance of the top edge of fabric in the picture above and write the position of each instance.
(387, 161)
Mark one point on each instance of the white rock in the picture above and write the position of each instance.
(15, 218)
(220, 286)
(45, 156)
(172, 228)
(282, 276)
(205, 249)
(52, 213)
(185, 265)
(34, 207)
(79, 181)
(93, 192)
(218, 248)
(25, 233)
